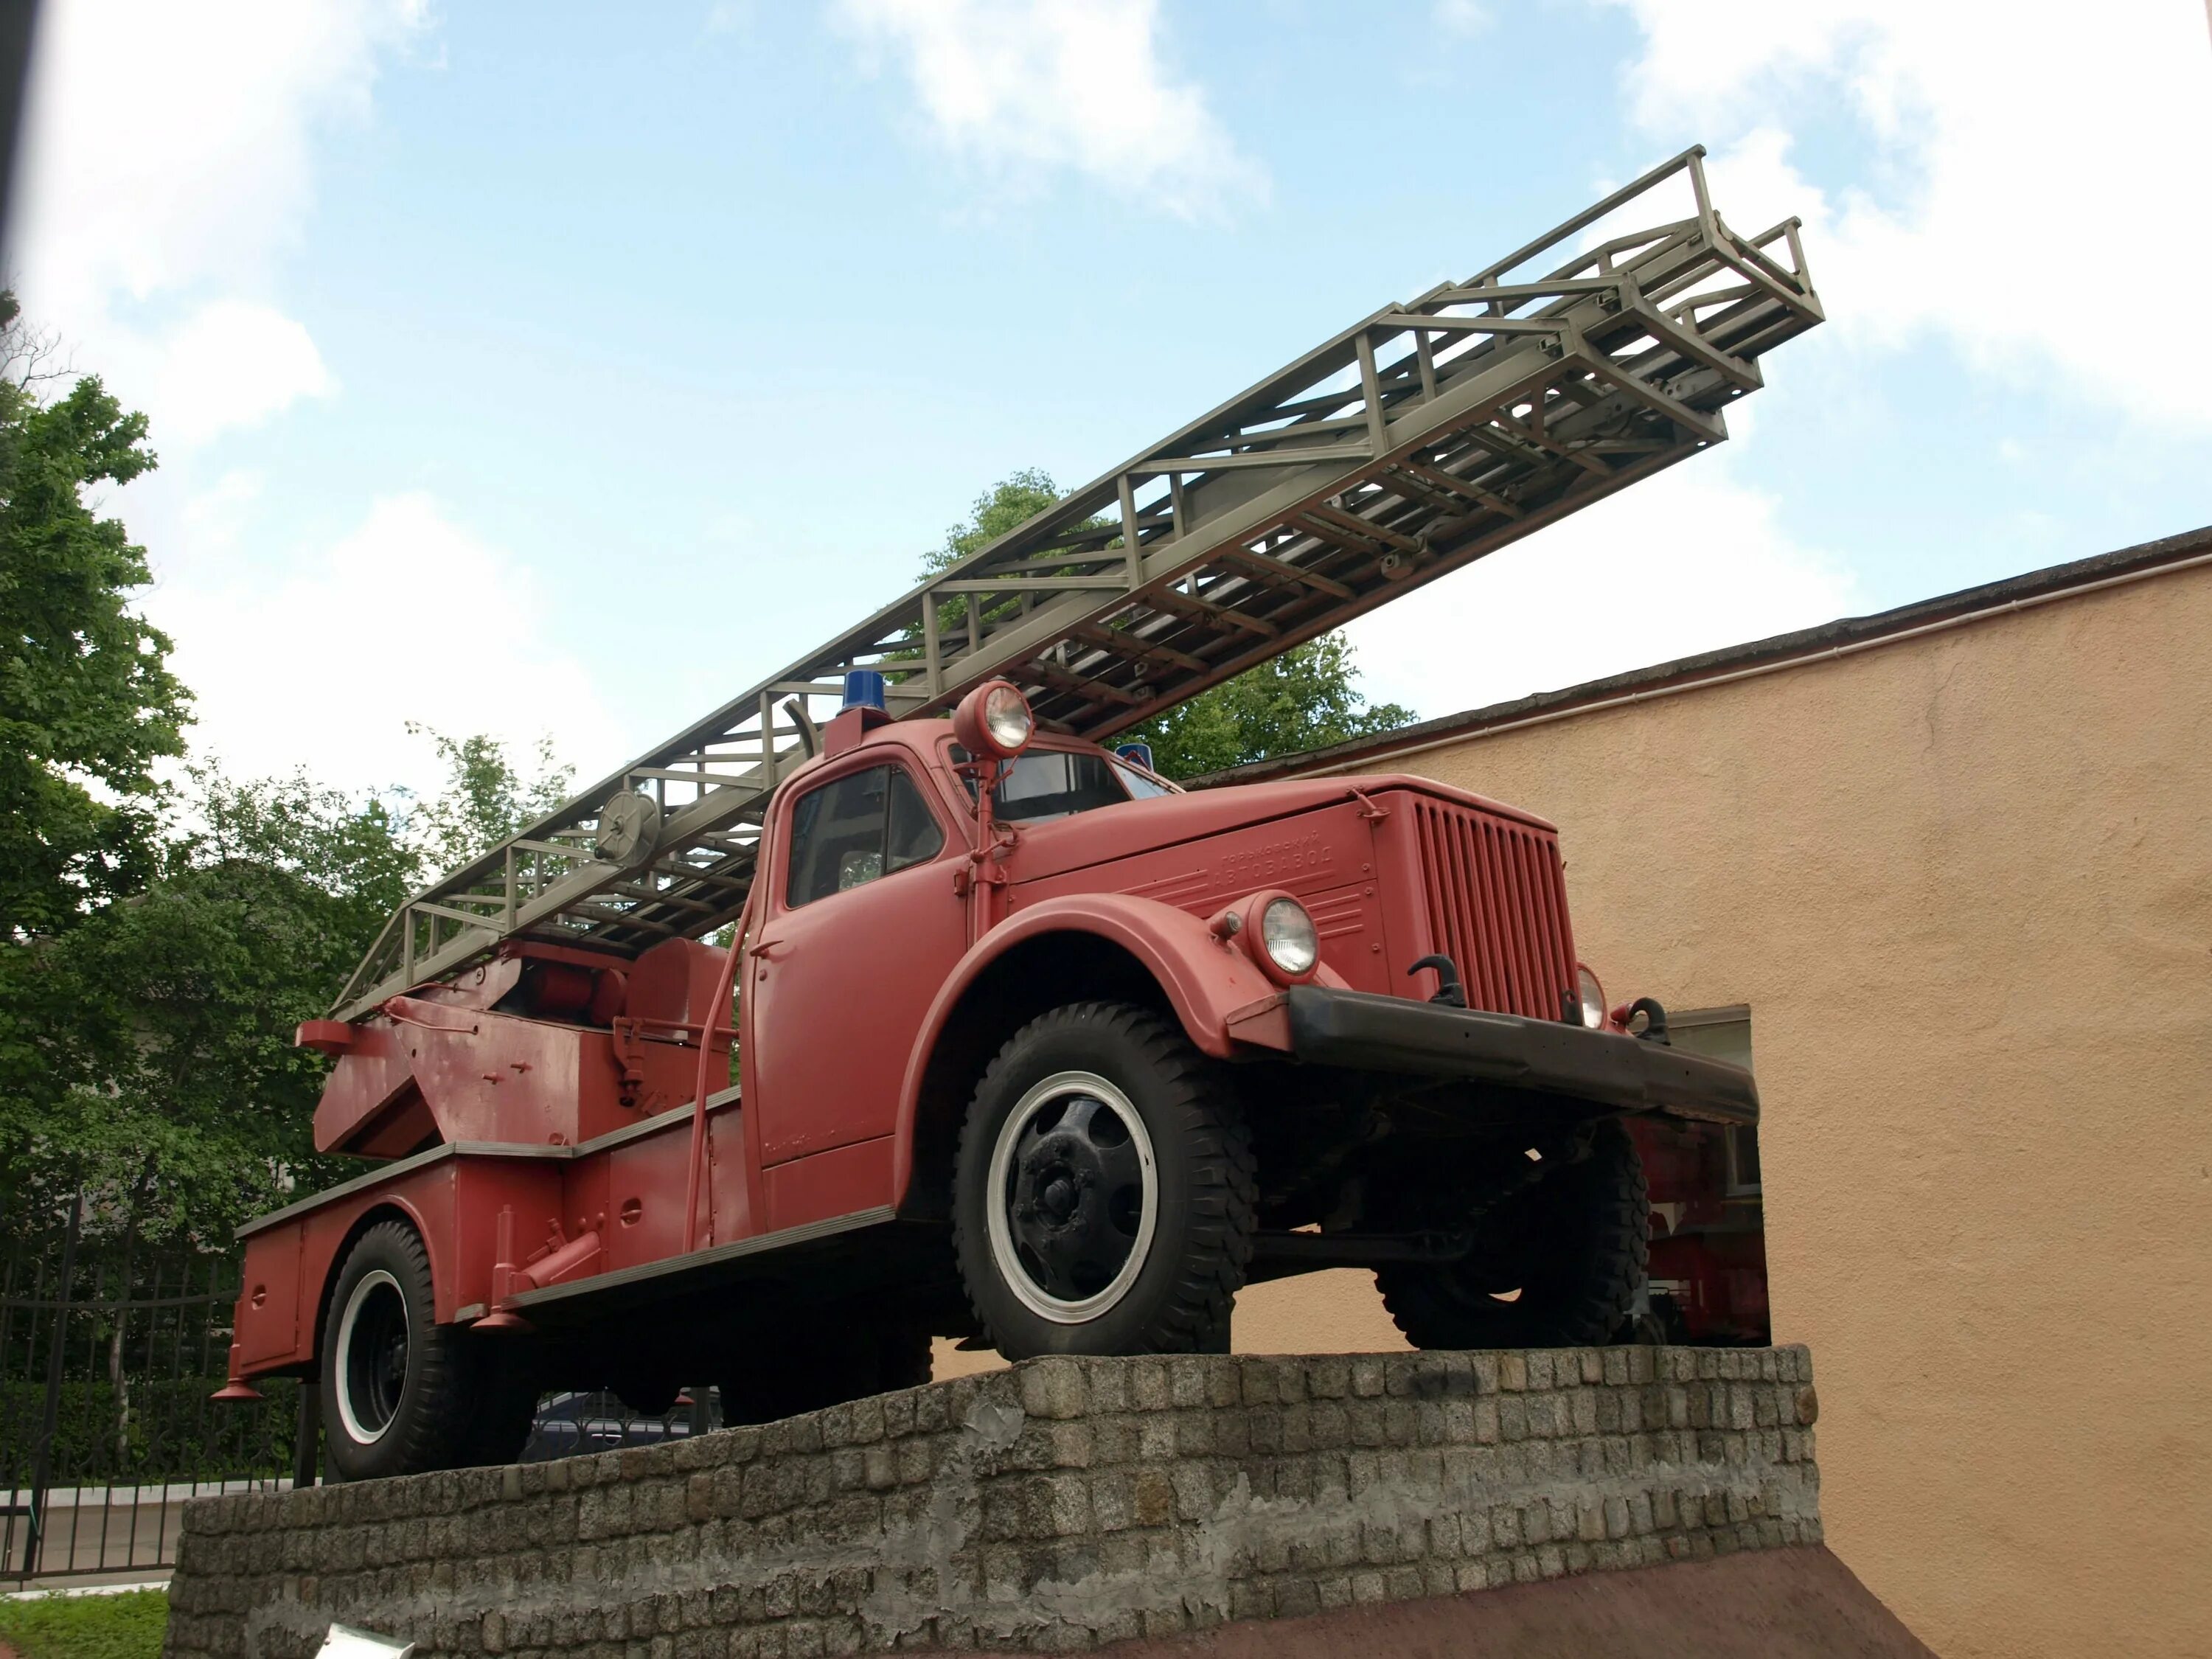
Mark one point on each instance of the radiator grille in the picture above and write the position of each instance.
(1497, 904)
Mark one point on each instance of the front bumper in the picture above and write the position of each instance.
(1369, 1033)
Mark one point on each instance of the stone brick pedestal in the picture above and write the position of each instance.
(1060, 1505)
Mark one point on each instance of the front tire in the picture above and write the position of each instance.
(1103, 1193)
(1560, 1264)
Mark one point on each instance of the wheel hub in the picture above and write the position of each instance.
(1060, 1197)
(372, 1356)
(1073, 1170)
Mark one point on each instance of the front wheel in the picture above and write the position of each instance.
(1104, 1196)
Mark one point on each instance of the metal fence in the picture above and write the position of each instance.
(109, 1348)
(108, 1353)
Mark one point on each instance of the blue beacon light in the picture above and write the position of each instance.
(865, 688)
(1140, 753)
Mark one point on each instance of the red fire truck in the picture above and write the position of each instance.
(797, 1042)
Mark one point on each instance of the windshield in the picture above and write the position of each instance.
(1046, 784)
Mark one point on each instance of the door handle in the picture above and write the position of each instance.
(763, 948)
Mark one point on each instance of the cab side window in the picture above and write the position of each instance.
(850, 831)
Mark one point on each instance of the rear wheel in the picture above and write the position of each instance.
(1560, 1263)
(1103, 1194)
(402, 1394)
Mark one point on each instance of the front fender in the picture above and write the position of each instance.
(1206, 980)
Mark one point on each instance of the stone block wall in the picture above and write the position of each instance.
(1055, 1506)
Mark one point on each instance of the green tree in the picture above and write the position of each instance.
(147, 1055)
(487, 797)
(1014, 500)
(1303, 699)
(157, 953)
(172, 1091)
(86, 704)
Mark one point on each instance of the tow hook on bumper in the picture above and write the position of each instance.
(1366, 1032)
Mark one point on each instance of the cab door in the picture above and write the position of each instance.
(862, 926)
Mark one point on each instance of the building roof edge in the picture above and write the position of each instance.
(1776, 650)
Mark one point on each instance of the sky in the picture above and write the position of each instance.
(562, 370)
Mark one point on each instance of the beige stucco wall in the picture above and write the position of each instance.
(1965, 884)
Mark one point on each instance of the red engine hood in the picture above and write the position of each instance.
(1111, 833)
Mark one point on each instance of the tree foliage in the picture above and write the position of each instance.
(86, 704)
(158, 949)
(146, 1056)
(156, 1067)
(1303, 699)
(1014, 500)
(487, 797)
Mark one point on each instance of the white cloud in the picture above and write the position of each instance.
(1686, 561)
(1023, 85)
(169, 159)
(2049, 166)
(325, 665)
(213, 516)
(234, 364)
(168, 145)
(1461, 16)
(167, 164)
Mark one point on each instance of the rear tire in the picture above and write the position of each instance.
(402, 1394)
(1571, 1251)
(834, 1361)
(395, 1400)
(1104, 1192)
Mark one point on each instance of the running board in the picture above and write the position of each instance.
(688, 1272)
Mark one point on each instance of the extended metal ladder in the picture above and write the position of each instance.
(1413, 442)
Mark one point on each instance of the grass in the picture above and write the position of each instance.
(129, 1626)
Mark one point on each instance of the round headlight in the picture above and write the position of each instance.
(1286, 933)
(1592, 995)
(993, 721)
(1006, 717)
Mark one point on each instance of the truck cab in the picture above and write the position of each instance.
(1014, 1041)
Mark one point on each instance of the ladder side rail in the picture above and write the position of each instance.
(1317, 624)
(1691, 161)
(1446, 558)
(1074, 597)
(1036, 624)
(714, 810)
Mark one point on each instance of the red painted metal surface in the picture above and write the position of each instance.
(1481, 884)
(1218, 849)
(267, 1328)
(841, 1181)
(1708, 1266)
(437, 1066)
(841, 986)
(545, 1103)
(1495, 902)
(454, 1202)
